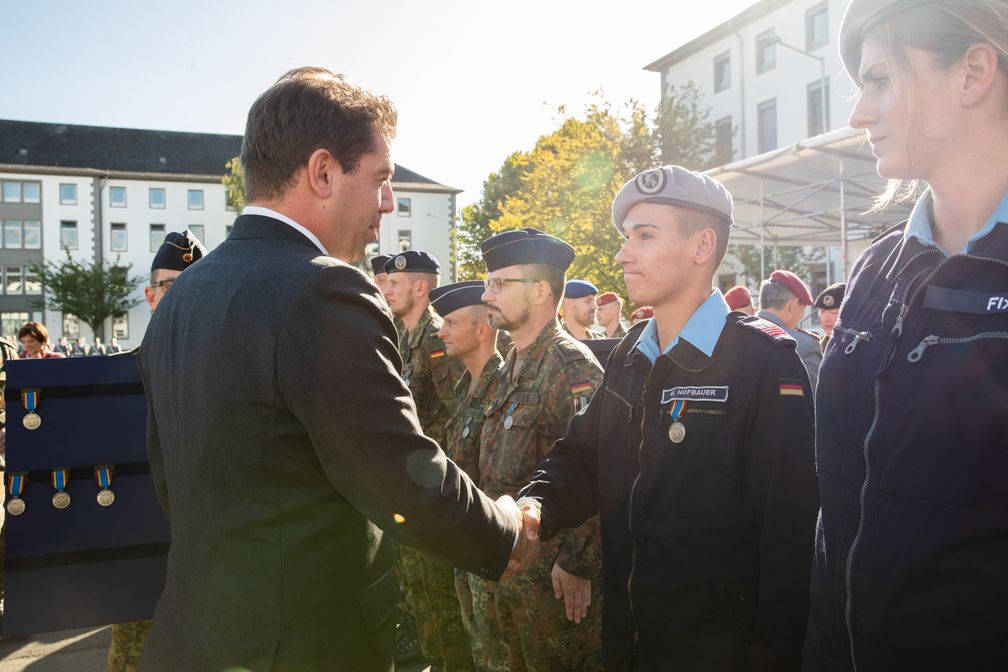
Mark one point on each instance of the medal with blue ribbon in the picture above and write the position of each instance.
(31, 420)
(16, 484)
(103, 475)
(61, 499)
(677, 430)
(509, 420)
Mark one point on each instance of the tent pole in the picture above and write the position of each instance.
(762, 233)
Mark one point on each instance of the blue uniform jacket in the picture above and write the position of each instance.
(911, 569)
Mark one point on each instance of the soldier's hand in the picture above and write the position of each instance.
(575, 592)
(527, 544)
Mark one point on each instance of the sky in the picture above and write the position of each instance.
(473, 81)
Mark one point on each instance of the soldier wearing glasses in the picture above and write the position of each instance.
(550, 613)
(178, 252)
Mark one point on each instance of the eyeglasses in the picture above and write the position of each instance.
(496, 285)
(163, 284)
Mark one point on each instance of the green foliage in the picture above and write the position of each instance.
(795, 259)
(234, 184)
(93, 291)
(683, 133)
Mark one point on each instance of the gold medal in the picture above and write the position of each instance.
(105, 497)
(677, 432)
(103, 474)
(31, 421)
(16, 506)
(61, 500)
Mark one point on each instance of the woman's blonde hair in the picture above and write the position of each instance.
(946, 29)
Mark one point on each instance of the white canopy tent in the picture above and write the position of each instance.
(816, 192)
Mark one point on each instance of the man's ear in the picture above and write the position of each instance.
(320, 172)
(706, 245)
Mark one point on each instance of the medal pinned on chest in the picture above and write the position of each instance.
(103, 475)
(31, 420)
(16, 485)
(677, 430)
(509, 420)
(465, 430)
(61, 498)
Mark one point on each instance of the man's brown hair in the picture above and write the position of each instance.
(305, 110)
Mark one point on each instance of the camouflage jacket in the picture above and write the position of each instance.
(531, 410)
(429, 374)
(590, 335)
(462, 433)
(620, 332)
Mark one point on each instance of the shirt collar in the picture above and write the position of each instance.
(703, 329)
(919, 225)
(266, 212)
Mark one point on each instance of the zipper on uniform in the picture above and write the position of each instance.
(633, 489)
(858, 337)
(918, 352)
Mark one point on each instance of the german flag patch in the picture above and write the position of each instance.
(791, 388)
(580, 388)
(437, 353)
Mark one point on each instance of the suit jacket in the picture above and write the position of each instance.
(286, 451)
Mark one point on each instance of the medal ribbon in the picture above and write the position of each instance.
(59, 479)
(104, 477)
(676, 409)
(512, 409)
(16, 484)
(30, 399)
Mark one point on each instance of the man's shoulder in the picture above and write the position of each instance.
(565, 350)
(758, 331)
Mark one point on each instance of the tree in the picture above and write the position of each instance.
(234, 184)
(798, 260)
(93, 291)
(683, 134)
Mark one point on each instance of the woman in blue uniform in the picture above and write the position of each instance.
(911, 569)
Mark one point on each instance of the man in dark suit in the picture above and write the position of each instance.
(287, 459)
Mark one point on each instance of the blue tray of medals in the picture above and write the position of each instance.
(86, 541)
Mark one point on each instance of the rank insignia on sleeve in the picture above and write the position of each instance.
(791, 388)
(437, 353)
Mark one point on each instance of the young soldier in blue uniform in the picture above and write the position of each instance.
(912, 413)
(697, 451)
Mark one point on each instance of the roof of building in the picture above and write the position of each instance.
(133, 150)
(729, 27)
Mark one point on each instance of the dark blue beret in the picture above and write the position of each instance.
(859, 18)
(578, 289)
(525, 246)
(449, 298)
(378, 263)
(413, 261)
(178, 252)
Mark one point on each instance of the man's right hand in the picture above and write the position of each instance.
(527, 545)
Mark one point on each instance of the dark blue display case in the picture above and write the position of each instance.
(87, 564)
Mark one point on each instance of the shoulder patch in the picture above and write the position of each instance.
(767, 328)
(435, 354)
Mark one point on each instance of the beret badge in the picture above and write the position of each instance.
(651, 182)
(400, 262)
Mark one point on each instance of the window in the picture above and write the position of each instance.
(405, 207)
(68, 235)
(12, 323)
(195, 199)
(197, 230)
(405, 240)
(120, 326)
(31, 192)
(726, 281)
(68, 194)
(12, 233)
(117, 197)
(723, 133)
(817, 27)
(722, 72)
(12, 192)
(71, 327)
(117, 239)
(815, 108)
(14, 283)
(157, 235)
(766, 51)
(156, 198)
(32, 282)
(767, 126)
(371, 250)
(32, 234)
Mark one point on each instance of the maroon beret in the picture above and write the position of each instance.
(738, 297)
(795, 284)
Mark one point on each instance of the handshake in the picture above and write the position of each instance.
(526, 547)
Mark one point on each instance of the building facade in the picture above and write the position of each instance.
(111, 194)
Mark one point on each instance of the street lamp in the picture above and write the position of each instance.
(822, 74)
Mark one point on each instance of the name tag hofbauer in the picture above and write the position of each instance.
(706, 393)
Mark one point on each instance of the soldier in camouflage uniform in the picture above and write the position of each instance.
(468, 336)
(579, 309)
(178, 252)
(544, 611)
(609, 314)
(430, 375)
